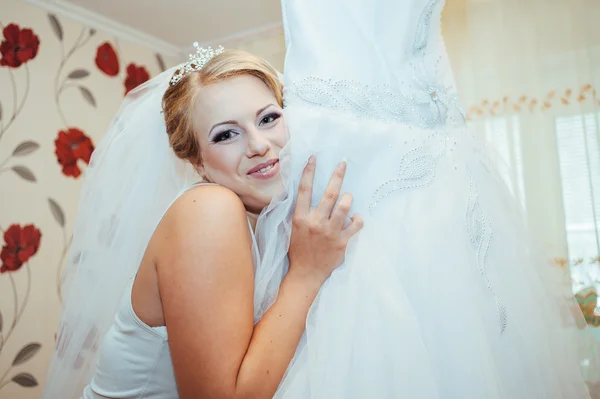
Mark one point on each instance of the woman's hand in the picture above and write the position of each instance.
(319, 237)
(216, 349)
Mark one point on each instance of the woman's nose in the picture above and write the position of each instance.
(258, 144)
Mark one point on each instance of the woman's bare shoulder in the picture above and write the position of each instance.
(202, 213)
(207, 201)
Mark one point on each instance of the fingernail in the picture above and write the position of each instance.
(311, 159)
(342, 165)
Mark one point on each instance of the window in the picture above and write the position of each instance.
(579, 158)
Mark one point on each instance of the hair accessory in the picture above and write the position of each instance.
(196, 62)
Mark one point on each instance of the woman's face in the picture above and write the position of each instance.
(240, 129)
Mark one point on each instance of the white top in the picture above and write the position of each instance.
(134, 360)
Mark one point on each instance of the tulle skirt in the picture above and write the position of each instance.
(442, 294)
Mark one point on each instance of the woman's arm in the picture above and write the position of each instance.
(206, 282)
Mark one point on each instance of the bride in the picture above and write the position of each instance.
(160, 298)
(440, 296)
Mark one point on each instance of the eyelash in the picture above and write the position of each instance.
(274, 117)
(223, 135)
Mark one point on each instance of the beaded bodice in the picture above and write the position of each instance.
(383, 60)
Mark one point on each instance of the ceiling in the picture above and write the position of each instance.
(175, 23)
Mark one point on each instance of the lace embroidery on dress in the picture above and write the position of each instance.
(423, 28)
(384, 103)
(480, 231)
(417, 169)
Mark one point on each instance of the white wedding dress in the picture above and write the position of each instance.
(441, 295)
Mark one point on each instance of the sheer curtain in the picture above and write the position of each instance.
(529, 73)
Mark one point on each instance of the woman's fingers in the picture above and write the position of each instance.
(305, 188)
(340, 213)
(332, 192)
(328, 217)
(353, 228)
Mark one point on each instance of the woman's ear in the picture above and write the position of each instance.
(198, 165)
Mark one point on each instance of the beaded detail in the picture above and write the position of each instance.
(427, 106)
(479, 228)
(417, 169)
(423, 28)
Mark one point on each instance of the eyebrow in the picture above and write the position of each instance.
(262, 109)
(232, 122)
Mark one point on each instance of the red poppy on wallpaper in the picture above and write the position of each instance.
(19, 46)
(136, 75)
(107, 60)
(71, 146)
(21, 243)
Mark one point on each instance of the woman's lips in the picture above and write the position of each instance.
(265, 170)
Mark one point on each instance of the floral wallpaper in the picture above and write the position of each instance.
(61, 84)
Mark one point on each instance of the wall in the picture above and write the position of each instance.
(270, 45)
(54, 106)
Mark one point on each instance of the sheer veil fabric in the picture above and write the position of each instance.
(133, 178)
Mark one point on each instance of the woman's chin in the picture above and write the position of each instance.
(265, 193)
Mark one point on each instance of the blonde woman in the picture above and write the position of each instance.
(162, 276)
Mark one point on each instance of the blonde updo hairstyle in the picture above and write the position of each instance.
(179, 99)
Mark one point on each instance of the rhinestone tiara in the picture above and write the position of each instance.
(196, 62)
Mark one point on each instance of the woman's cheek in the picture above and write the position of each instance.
(227, 159)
